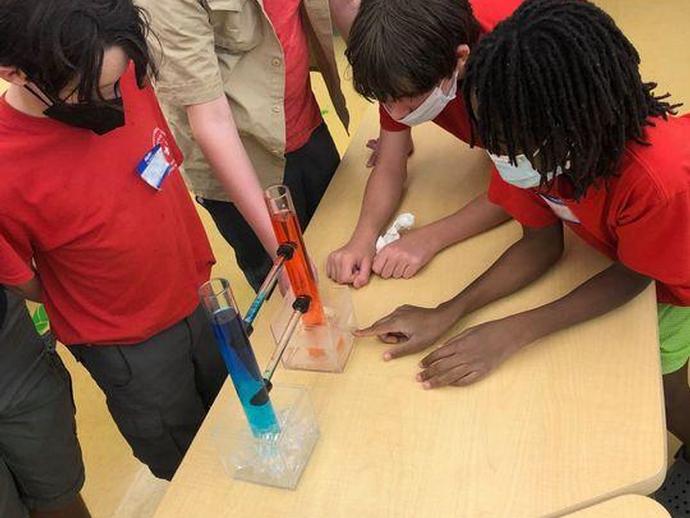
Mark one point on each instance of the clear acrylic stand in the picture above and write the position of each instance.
(324, 347)
(273, 459)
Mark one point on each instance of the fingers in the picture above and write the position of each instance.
(393, 338)
(472, 377)
(409, 272)
(380, 261)
(404, 349)
(399, 270)
(447, 374)
(387, 324)
(439, 368)
(449, 349)
(438, 354)
(344, 271)
(373, 143)
(387, 271)
(392, 263)
(361, 278)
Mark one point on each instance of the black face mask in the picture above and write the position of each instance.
(101, 117)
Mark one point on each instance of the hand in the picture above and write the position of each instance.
(351, 264)
(373, 144)
(412, 328)
(471, 356)
(403, 258)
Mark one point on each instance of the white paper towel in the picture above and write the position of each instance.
(402, 222)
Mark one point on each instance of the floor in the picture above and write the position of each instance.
(117, 485)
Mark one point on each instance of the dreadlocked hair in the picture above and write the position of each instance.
(559, 82)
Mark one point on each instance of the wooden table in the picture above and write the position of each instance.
(573, 420)
(629, 506)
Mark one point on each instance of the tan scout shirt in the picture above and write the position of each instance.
(211, 47)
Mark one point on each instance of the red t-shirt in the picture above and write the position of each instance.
(454, 118)
(641, 220)
(302, 114)
(12, 266)
(118, 260)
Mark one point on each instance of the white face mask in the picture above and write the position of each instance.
(523, 175)
(432, 105)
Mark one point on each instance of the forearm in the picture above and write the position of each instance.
(31, 290)
(604, 292)
(343, 13)
(381, 199)
(214, 129)
(478, 216)
(520, 265)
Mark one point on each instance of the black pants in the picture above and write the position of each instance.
(160, 390)
(41, 465)
(308, 172)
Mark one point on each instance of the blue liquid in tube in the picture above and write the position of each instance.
(240, 361)
(255, 307)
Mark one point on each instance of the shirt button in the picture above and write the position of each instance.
(276, 109)
(276, 62)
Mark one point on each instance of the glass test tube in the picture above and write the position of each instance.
(287, 229)
(238, 355)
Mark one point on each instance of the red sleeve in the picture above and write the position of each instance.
(13, 269)
(654, 237)
(524, 205)
(389, 123)
(490, 13)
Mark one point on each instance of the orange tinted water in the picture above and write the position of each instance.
(286, 228)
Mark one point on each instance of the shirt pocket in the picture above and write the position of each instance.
(237, 24)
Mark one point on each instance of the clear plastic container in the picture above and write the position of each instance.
(325, 347)
(273, 460)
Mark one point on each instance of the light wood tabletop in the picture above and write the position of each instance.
(572, 420)
(628, 506)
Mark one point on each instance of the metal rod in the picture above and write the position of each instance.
(285, 253)
(300, 307)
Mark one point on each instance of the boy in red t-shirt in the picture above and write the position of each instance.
(578, 139)
(410, 56)
(101, 225)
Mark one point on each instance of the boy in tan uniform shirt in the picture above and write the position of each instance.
(234, 83)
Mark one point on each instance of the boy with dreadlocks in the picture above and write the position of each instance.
(577, 139)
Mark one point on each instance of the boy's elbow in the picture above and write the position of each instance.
(548, 242)
(557, 244)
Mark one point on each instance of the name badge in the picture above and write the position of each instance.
(560, 209)
(154, 167)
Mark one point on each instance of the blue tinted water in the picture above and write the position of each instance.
(239, 358)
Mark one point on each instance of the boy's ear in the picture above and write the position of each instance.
(13, 75)
(463, 54)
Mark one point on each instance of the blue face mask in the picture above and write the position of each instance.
(522, 175)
